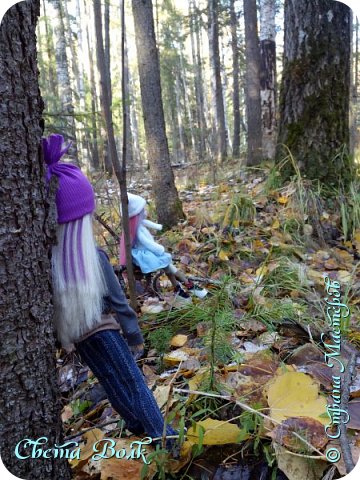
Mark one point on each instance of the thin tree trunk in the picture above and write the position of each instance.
(268, 77)
(200, 139)
(107, 151)
(168, 205)
(50, 53)
(181, 149)
(126, 104)
(29, 402)
(253, 103)
(187, 100)
(236, 80)
(94, 127)
(214, 53)
(118, 169)
(64, 84)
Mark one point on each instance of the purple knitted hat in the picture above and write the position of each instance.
(75, 195)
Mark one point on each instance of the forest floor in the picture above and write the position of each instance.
(244, 369)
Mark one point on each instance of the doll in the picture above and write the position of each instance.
(149, 255)
(90, 306)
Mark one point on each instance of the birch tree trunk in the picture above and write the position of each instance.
(236, 80)
(64, 84)
(214, 52)
(168, 205)
(268, 77)
(29, 394)
(315, 91)
(253, 103)
(108, 162)
(50, 54)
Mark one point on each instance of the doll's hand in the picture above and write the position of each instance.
(137, 351)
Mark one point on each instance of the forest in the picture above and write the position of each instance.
(236, 125)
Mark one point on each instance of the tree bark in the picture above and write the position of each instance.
(253, 103)
(214, 52)
(315, 91)
(268, 77)
(28, 397)
(236, 80)
(168, 205)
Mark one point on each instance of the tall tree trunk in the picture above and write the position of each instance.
(127, 103)
(50, 54)
(119, 171)
(314, 100)
(181, 147)
(182, 75)
(268, 77)
(64, 84)
(95, 161)
(107, 151)
(236, 79)
(168, 205)
(200, 137)
(253, 103)
(28, 396)
(216, 79)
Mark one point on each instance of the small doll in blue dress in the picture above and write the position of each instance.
(149, 255)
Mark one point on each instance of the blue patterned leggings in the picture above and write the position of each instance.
(109, 358)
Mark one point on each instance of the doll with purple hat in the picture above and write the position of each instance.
(90, 306)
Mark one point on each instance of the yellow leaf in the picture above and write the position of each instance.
(283, 200)
(217, 432)
(275, 225)
(86, 447)
(178, 340)
(223, 256)
(344, 276)
(295, 394)
(176, 356)
(161, 395)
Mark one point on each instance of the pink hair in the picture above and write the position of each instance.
(133, 224)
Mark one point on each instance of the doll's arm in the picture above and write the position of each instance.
(150, 224)
(147, 241)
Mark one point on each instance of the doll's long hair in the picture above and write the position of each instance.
(133, 226)
(78, 281)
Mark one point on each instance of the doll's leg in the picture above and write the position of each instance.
(174, 275)
(109, 358)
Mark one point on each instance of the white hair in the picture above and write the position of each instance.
(78, 281)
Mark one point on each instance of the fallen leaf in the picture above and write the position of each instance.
(298, 468)
(216, 432)
(314, 433)
(152, 308)
(294, 394)
(86, 447)
(178, 340)
(161, 395)
(223, 256)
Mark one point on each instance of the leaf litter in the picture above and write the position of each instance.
(259, 346)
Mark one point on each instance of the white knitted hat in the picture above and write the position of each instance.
(136, 204)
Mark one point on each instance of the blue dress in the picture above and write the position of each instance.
(147, 254)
